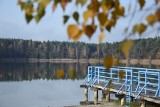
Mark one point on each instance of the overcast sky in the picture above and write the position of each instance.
(13, 24)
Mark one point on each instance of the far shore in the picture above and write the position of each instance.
(123, 61)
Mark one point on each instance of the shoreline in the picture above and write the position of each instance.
(123, 61)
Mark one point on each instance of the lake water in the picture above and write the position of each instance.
(36, 85)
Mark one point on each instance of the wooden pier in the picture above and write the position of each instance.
(135, 84)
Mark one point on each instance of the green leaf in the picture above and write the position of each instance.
(141, 3)
(108, 28)
(65, 19)
(39, 16)
(28, 18)
(76, 16)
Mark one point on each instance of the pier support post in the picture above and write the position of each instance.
(95, 96)
(143, 104)
(103, 95)
(103, 99)
(86, 94)
(108, 96)
(123, 100)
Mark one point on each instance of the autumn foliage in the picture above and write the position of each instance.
(105, 12)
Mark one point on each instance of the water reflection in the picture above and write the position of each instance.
(33, 71)
(40, 93)
(36, 84)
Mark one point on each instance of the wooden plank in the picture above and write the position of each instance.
(83, 86)
(143, 97)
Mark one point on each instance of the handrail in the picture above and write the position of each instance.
(149, 78)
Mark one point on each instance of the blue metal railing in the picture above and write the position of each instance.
(136, 81)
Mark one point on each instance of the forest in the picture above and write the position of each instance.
(18, 48)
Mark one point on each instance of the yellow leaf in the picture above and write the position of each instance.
(126, 47)
(151, 19)
(121, 74)
(94, 6)
(82, 2)
(104, 8)
(101, 37)
(72, 73)
(35, 0)
(121, 10)
(134, 30)
(116, 3)
(72, 30)
(44, 3)
(29, 10)
(112, 22)
(102, 17)
(141, 28)
(60, 74)
(89, 30)
(157, 1)
(117, 62)
(87, 14)
(108, 61)
(76, 37)
(158, 14)
(141, 3)
(64, 4)
(21, 4)
(54, 6)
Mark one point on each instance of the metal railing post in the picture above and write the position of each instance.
(131, 82)
(111, 73)
(159, 83)
(88, 74)
(146, 81)
(118, 73)
(98, 75)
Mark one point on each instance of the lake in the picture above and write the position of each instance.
(36, 84)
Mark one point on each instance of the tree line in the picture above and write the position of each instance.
(34, 71)
(18, 48)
